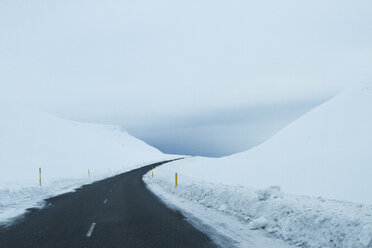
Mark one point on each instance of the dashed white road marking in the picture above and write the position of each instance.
(105, 201)
(91, 228)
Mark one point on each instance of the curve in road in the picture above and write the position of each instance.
(116, 212)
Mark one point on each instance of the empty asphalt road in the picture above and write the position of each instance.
(115, 212)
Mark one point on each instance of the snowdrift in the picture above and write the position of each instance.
(31, 139)
(301, 221)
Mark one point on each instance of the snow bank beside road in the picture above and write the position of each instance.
(16, 197)
(31, 139)
(299, 220)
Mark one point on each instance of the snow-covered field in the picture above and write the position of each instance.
(309, 185)
(64, 150)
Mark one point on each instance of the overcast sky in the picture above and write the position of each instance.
(152, 66)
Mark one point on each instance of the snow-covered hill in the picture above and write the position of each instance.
(31, 139)
(324, 155)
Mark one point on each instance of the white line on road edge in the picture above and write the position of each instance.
(105, 201)
(91, 228)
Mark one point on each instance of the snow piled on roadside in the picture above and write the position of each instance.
(299, 220)
(31, 139)
(14, 199)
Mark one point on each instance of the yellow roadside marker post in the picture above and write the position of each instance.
(176, 180)
(40, 177)
(88, 173)
(152, 173)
